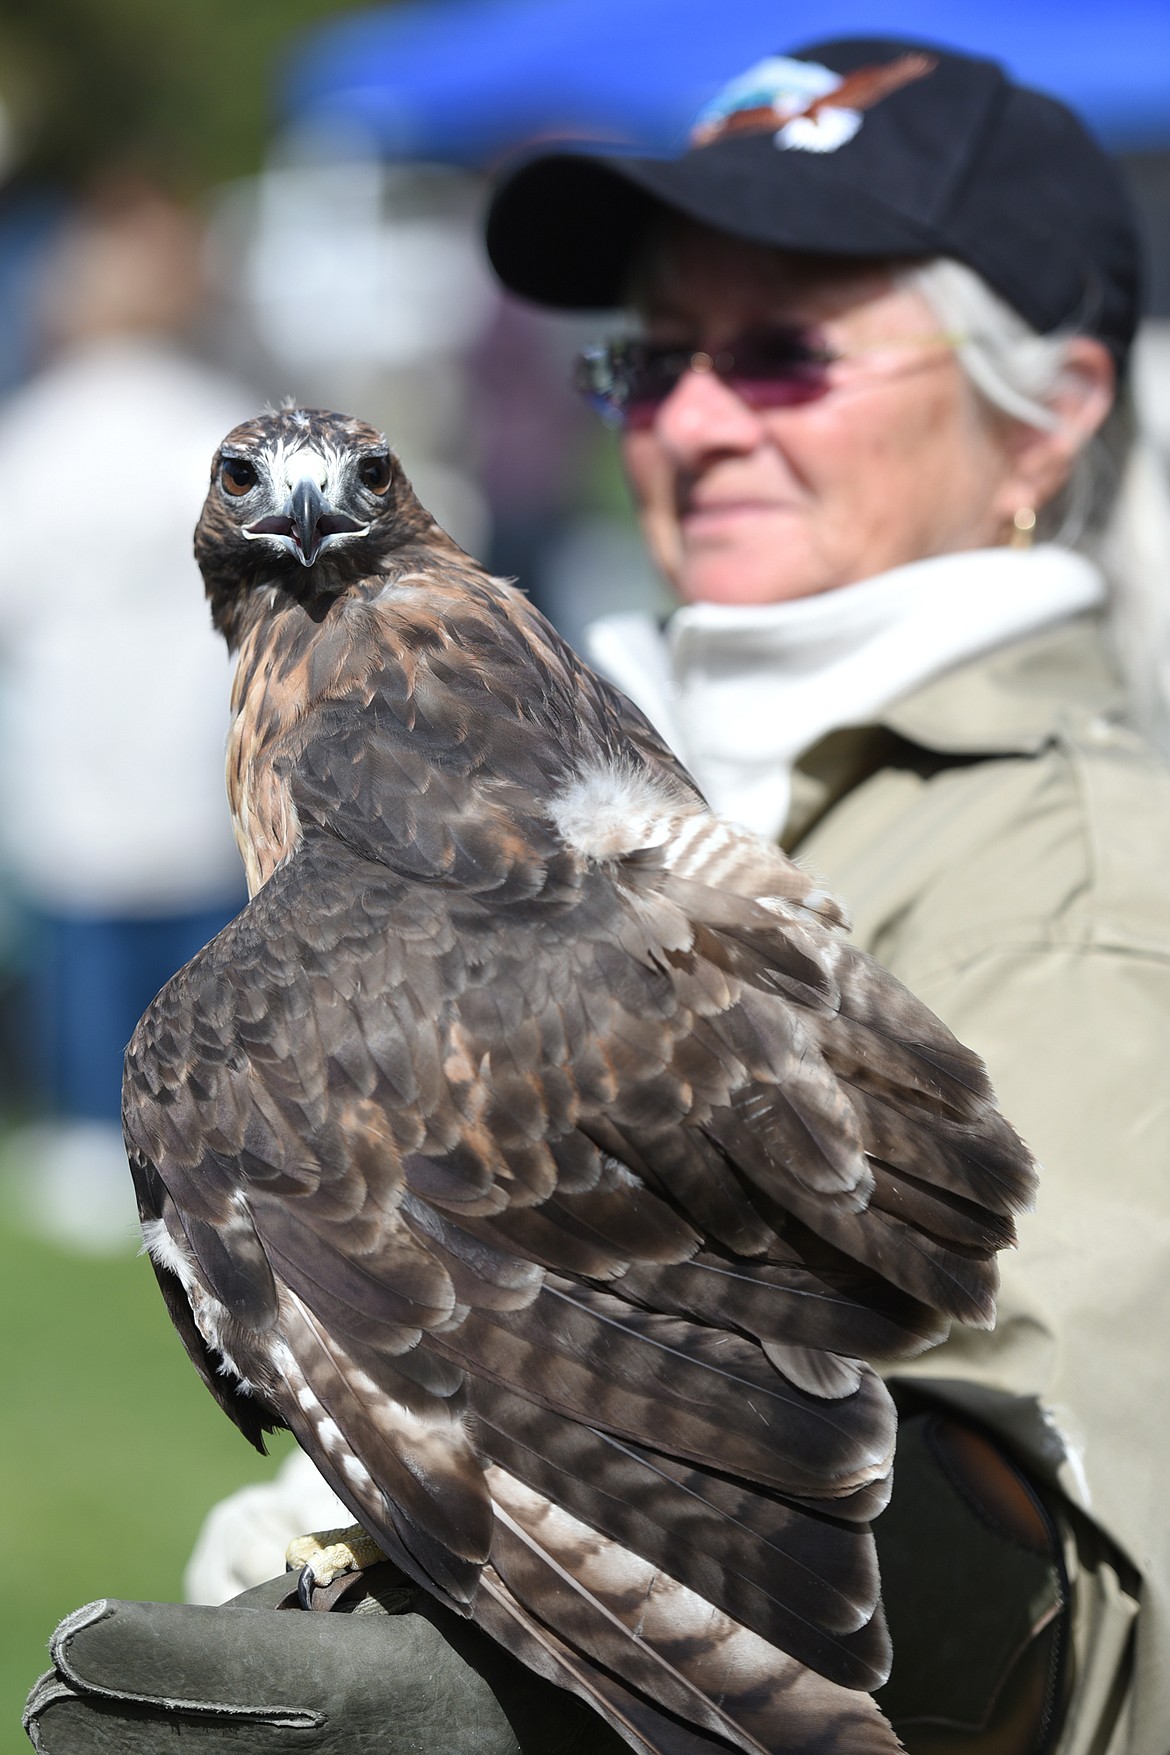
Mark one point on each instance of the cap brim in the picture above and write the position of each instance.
(566, 228)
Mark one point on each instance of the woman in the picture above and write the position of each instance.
(886, 299)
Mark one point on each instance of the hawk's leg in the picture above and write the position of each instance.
(327, 1555)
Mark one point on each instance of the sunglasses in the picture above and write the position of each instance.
(627, 381)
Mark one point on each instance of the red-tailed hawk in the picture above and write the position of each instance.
(536, 1146)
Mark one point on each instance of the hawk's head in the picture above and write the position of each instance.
(303, 500)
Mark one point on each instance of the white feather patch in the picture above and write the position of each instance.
(621, 1173)
(161, 1247)
(612, 808)
(211, 1317)
(305, 465)
(354, 1472)
(329, 1432)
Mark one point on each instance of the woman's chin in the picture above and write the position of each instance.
(743, 579)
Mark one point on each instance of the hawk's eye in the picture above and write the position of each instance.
(374, 473)
(237, 476)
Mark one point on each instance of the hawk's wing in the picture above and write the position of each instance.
(554, 1230)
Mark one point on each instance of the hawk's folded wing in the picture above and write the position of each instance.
(556, 1231)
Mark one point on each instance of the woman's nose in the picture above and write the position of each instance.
(704, 413)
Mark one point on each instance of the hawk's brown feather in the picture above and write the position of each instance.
(537, 1147)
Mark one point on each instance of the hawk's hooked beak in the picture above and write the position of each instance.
(305, 508)
(306, 522)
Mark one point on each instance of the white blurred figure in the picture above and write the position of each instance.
(113, 690)
(243, 1538)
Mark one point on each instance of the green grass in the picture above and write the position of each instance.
(112, 1450)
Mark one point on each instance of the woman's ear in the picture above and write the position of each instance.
(1043, 457)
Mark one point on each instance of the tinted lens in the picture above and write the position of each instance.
(653, 373)
(779, 368)
(628, 381)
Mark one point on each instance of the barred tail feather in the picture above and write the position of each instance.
(660, 1638)
(807, 1583)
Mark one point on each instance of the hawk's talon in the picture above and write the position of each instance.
(322, 1557)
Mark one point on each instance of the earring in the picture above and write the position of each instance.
(1023, 530)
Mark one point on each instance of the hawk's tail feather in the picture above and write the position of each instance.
(427, 1563)
(646, 1729)
(664, 1640)
(807, 1583)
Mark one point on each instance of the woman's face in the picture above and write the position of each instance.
(895, 461)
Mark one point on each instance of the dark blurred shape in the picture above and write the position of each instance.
(29, 220)
(1148, 176)
(181, 90)
(529, 440)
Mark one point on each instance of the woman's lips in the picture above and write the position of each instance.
(699, 515)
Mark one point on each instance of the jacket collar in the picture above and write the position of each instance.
(1014, 700)
(739, 690)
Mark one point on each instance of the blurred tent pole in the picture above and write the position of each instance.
(465, 81)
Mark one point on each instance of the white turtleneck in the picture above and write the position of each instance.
(739, 691)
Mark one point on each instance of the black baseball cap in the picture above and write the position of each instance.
(862, 147)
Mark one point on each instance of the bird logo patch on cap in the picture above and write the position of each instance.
(802, 104)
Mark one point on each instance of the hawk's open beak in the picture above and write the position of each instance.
(305, 509)
(306, 522)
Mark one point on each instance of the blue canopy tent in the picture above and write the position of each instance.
(465, 81)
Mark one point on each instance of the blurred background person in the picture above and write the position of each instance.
(112, 689)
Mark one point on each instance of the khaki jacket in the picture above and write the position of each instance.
(1004, 845)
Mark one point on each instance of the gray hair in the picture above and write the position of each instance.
(1115, 507)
